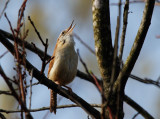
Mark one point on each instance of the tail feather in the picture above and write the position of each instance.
(53, 102)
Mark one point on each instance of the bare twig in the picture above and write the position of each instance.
(145, 80)
(83, 63)
(30, 96)
(90, 74)
(16, 54)
(89, 48)
(135, 115)
(125, 18)
(38, 34)
(4, 8)
(44, 58)
(47, 108)
(9, 92)
(96, 82)
(135, 2)
(3, 54)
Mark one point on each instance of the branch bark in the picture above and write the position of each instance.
(103, 45)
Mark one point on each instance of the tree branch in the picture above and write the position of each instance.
(47, 108)
(125, 18)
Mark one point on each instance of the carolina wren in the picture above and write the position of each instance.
(63, 67)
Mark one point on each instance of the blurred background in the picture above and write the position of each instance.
(53, 16)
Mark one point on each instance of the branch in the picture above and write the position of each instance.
(4, 8)
(138, 43)
(146, 80)
(125, 18)
(137, 107)
(47, 108)
(50, 84)
(5, 92)
(2, 116)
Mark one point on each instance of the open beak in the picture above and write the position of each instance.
(70, 29)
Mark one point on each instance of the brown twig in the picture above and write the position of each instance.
(43, 58)
(4, 8)
(47, 108)
(96, 82)
(135, 2)
(30, 96)
(21, 88)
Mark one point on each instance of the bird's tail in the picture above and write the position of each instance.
(53, 102)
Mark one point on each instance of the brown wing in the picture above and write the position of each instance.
(52, 61)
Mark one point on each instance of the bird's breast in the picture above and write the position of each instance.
(65, 66)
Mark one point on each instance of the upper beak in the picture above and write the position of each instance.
(70, 29)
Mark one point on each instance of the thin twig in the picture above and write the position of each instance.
(90, 74)
(30, 96)
(3, 54)
(87, 46)
(47, 108)
(135, 115)
(4, 8)
(83, 63)
(44, 58)
(9, 92)
(125, 18)
(38, 34)
(145, 80)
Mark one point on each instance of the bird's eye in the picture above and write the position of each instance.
(63, 33)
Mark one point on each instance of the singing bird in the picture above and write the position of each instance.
(63, 67)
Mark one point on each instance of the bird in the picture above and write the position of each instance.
(63, 67)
